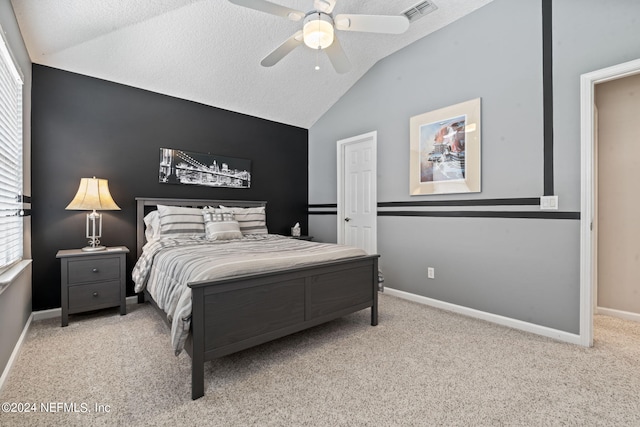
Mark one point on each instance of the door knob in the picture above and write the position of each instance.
(347, 219)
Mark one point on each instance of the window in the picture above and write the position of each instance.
(11, 228)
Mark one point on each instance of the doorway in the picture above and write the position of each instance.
(357, 192)
(589, 200)
(617, 172)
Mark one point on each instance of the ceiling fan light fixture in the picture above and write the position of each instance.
(318, 30)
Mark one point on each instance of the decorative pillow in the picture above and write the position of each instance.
(251, 220)
(220, 225)
(176, 221)
(152, 226)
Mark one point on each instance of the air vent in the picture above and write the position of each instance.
(419, 10)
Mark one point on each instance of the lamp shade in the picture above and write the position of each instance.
(318, 31)
(93, 194)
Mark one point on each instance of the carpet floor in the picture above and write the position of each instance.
(419, 367)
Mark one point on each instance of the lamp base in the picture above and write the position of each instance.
(93, 248)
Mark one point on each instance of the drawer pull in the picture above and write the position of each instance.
(95, 294)
(95, 270)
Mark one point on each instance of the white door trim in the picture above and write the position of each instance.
(588, 190)
(341, 144)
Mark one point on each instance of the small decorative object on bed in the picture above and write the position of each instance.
(187, 167)
(445, 150)
(226, 288)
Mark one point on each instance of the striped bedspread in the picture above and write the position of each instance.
(167, 265)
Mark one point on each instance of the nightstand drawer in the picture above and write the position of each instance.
(94, 270)
(94, 296)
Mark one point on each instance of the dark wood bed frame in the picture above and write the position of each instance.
(234, 314)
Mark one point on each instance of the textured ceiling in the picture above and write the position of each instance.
(209, 51)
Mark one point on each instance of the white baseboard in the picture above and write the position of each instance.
(489, 317)
(15, 352)
(57, 312)
(47, 314)
(626, 315)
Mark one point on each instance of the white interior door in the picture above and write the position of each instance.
(357, 200)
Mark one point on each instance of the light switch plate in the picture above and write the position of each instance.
(549, 202)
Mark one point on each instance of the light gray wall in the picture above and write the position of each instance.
(15, 309)
(526, 269)
(15, 301)
(588, 35)
(476, 56)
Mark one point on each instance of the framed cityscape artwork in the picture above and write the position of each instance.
(187, 167)
(445, 150)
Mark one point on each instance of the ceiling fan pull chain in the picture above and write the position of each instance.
(319, 47)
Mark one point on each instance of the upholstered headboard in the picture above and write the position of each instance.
(146, 204)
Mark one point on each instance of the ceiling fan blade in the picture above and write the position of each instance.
(272, 8)
(337, 57)
(372, 23)
(283, 50)
(325, 6)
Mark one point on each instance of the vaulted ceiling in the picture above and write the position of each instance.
(209, 51)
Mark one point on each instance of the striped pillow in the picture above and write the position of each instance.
(251, 220)
(220, 225)
(176, 221)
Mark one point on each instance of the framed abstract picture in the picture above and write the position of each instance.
(188, 167)
(445, 150)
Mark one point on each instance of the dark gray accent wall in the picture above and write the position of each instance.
(85, 127)
(522, 268)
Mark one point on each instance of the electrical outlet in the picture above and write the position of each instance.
(431, 273)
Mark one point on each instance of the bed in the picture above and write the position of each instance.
(242, 310)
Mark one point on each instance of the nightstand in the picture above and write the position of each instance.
(92, 280)
(302, 237)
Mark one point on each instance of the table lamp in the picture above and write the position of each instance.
(93, 194)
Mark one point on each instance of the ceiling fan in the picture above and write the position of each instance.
(318, 29)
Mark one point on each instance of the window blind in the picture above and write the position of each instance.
(11, 222)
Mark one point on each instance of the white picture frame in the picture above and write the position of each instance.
(445, 150)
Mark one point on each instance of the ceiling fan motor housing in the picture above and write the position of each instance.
(318, 30)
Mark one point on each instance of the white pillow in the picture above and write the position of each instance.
(176, 221)
(251, 220)
(152, 226)
(220, 225)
